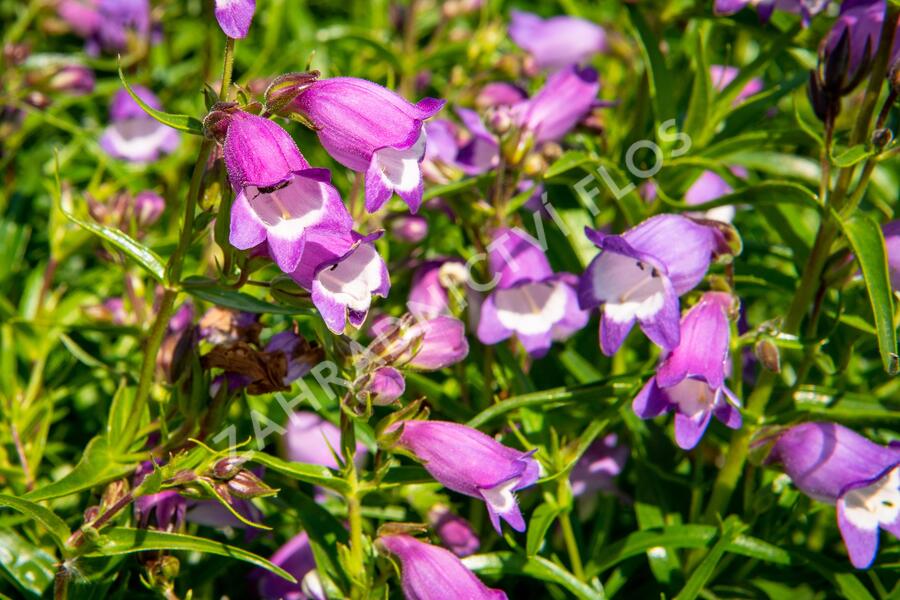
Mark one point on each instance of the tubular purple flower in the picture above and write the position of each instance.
(499, 93)
(311, 439)
(106, 24)
(428, 293)
(564, 100)
(167, 508)
(148, 207)
(806, 8)
(472, 463)
(529, 301)
(639, 276)
(833, 464)
(442, 342)
(280, 199)
(691, 379)
(373, 130)
(132, 134)
(411, 229)
(431, 573)
(297, 350)
(74, 79)
(860, 21)
(455, 533)
(234, 16)
(597, 468)
(295, 557)
(482, 152)
(343, 272)
(556, 42)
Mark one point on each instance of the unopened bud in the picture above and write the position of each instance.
(500, 120)
(284, 89)
(91, 513)
(768, 355)
(246, 485)
(215, 124)
(228, 467)
(114, 492)
(74, 79)
(409, 228)
(882, 137)
(534, 165)
(551, 151)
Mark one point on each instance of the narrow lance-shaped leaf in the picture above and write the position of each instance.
(180, 122)
(868, 245)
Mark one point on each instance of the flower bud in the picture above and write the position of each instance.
(74, 79)
(411, 229)
(228, 467)
(768, 355)
(285, 88)
(882, 137)
(246, 485)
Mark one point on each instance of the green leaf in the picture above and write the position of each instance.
(661, 91)
(314, 474)
(558, 397)
(205, 289)
(28, 567)
(179, 122)
(868, 245)
(851, 156)
(125, 540)
(541, 520)
(536, 567)
(44, 516)
(99, 464)
(572, 159)
(767, 192)
(683, 536)
(707, 566)
(144, 256)
(697, 123)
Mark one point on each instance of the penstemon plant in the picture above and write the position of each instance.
(394, 298)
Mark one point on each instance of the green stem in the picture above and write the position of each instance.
(564, 497)
(174, 269)
(357, 560)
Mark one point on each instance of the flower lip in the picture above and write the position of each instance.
(867, 482)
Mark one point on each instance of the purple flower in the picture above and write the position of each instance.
(428, 344)
(313, 440)
(530, 301)
(148, 207)
(343, 272)
(708, 187)
(234, 16)
(482, 152)
(106, 24)
(556, 42)
(564, 100)
(132, 134)
(167, 508)
(432, 573)
(455, 532)
(891, 232)
(722, 76)
(597, 468)
(371, 129)
(640, 275)
(385, 385)
(859, 25)
(691, 379)
(807, 8)
(81, 15)
(411, 229)
(76, 80)
(280, 199)
(499, 93)
(833, 464)
(295, 557)
(428, 293)
(473, 463)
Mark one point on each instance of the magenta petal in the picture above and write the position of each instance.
(650, 401)
(663, 327)
(246, 228)
(613, 333)
(727, 414)
(558, 41)
(258, 151)
(703, 349)
(378, 192)
(862, 544)
(514, 257)
(689, 430)
(234, 16)
(432, 573)
(490, 329)
(564, 100)
(442, 344)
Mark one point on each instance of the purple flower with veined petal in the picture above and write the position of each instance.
(891, 232)
(691, 379)
(639, 276)
(428, 293)
(295, 557)
(564, 100)
(556, 42)
(455, 532)
(833, 464)
(311, 439)
(132, 134)
(529, 301)
(806, 8)
(598, 467)
(482, 152)
(373, 130)
(234, 16)
(432, 573)
(280, 198)
(167, 507)
(343, 272)
(499, 93)
(428, 344)
(721, 77)
(472, 463)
